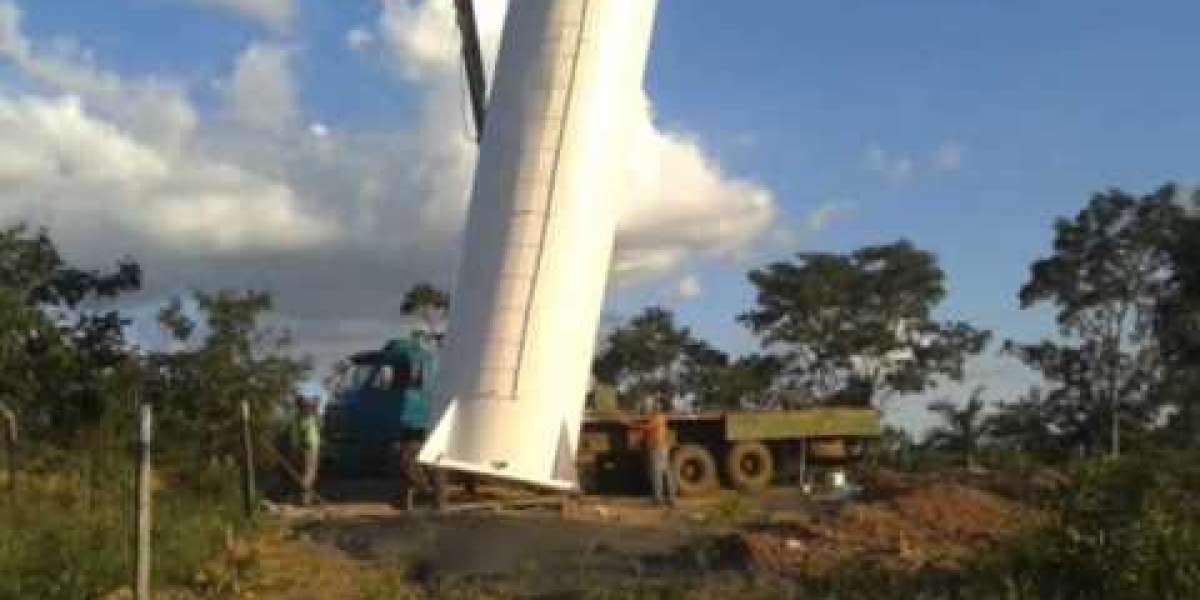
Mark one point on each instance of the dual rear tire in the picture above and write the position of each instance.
(695, 470)
(749, 467)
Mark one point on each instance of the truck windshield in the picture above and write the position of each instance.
(358, 376)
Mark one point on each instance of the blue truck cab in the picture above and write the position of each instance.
(381, 400)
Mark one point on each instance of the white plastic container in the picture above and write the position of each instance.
(539, 238)
(837, 479)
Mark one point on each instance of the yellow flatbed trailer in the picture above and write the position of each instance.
(747, 450)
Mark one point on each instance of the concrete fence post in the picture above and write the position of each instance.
(248, 479)
(8, 430)
(143, 502)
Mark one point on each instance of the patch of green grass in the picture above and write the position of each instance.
(732, 510)
(70, 536)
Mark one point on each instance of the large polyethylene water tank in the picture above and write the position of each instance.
(539, 237)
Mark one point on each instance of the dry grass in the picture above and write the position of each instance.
(279, 565)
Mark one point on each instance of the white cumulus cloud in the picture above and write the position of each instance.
(157, 111)
(42, 140)
(258, 194)
(422, 36)
(66, 166)
(826, 214)
(681, 204)
(688, 288)
(948, 156)
(274, 14)
(12, 41)
(358, 38)
(262, 93)
(898, 168)
(894, 169)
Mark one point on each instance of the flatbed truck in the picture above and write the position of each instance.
(747, 450)
(384, 401)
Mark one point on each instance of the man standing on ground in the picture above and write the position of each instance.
(410, 378)
(658, 445)
(306, 440)
(412, 477)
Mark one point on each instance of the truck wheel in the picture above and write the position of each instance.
(749, 466)
(695, 470)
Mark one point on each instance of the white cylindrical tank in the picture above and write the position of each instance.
(538, 240)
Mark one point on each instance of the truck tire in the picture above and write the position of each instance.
(695, 470)
(749, 466)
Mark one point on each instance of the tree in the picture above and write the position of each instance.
(1178, 327)
(860, 324)
(1109, 270)
(59, 359)
(69, 371)
(1027, 425)
(651, 355)
(748, 381)
(962, 428)
(895, 447)
(430, 305)
(201, 387)
(703, 373)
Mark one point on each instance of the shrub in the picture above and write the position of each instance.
(67, 533)
(1127, 529)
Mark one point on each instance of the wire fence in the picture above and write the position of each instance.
(70, 512)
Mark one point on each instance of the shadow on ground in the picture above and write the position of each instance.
(538, 547)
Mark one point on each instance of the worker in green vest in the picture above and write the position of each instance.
(306, 441)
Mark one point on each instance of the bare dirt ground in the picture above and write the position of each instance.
(938, 525)
(898, 523)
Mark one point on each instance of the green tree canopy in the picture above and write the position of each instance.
(1109, 271)
(651, 355)
(430, 305)
(748, 382)
(1028, 424)
(962, 427)
(853, 325)
(59, 360)
(231, 356)
(1178, 325)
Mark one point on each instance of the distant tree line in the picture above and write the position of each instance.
(858, 328)
(72, 374)
(850, 329)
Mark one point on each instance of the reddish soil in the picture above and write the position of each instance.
(900, 523)
(907, 527)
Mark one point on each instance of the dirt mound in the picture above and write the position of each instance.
(1023, 487)
(916, 525)
(952, 512)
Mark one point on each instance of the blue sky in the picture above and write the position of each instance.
(1049, 102)
(964, 126)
